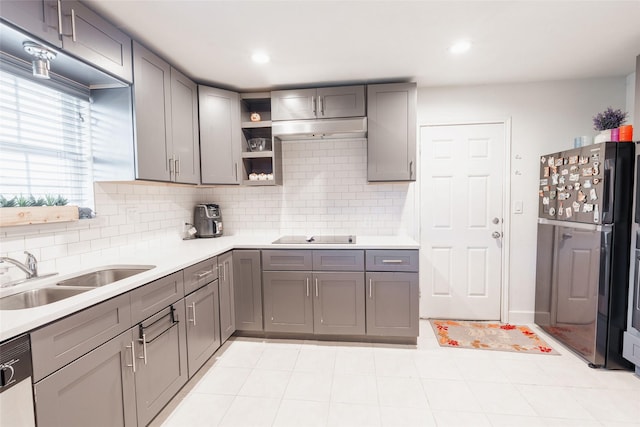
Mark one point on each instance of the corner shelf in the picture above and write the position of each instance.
(268, 161)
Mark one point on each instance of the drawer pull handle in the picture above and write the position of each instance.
(204, 273)
(392, 261)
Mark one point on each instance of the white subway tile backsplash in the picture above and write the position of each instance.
(325, 191)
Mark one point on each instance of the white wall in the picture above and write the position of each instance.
(545, 117)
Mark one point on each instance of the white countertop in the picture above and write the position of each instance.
(168, 257)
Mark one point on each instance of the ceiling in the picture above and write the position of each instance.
(319, 42)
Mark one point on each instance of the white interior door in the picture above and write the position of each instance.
(461, 197)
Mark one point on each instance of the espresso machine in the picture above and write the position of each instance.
(207, 220)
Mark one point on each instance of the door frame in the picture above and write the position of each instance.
(506, 210)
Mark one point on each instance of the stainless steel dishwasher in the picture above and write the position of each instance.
(16, 390)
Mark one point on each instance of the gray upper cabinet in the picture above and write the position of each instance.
(391, 143)
(288, 303)
(329, 102)
(203, 330)
(37, 17)
(76, 29)
(338, 303)
(152, 102)
(97, 389)
(227, 302)
(247, 290)
(220, 135)
(184, 127)
(392, 304)
(166, 121)
(88, 36)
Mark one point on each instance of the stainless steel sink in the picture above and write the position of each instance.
(105, 276)
(37, 297)
(72, 286)
(328, 240)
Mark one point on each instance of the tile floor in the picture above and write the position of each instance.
(256, 382)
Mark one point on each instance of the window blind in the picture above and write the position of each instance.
(45, 141)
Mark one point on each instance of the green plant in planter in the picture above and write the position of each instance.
(609, 119)
(7, 203)
(22, 201)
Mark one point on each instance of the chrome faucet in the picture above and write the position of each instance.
(30, 266)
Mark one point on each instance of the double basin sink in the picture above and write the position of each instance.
(71, 286)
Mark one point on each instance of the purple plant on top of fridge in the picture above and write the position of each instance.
(609, 119)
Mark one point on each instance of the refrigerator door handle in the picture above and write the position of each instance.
(607, 190)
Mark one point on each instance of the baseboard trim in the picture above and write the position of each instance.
(520, 317)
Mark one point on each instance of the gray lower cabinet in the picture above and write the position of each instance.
(391, 134)
(247, 289)
(392, 304)
(288, 304)
(203, 329)
(161, 364)
(60, 343)
(37, 17)
(220, 135)
(321, 303)
(227, 300)
(98, 389)
(149, 299)
(339, 303)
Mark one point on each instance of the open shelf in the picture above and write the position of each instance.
(260, 162)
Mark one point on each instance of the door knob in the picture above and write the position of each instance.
(496, 220)
(496, 234)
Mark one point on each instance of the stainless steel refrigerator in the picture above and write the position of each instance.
(582, 267)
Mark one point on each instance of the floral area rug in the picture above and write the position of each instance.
(489, 336)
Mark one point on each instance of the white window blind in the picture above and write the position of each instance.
(45, 144)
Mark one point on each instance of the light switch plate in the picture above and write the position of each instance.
(517, 207)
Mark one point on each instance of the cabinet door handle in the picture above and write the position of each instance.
(193, 307)
(73, 25)
(133, 356)
(307, 286)
(171, 166)
(177, 166)
(60, 24)
(316, 287)
(313, 104)
(370, 286)
(236, 170)
(410, 169)
(221, 272)
(321, 102)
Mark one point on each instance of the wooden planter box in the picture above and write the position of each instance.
(37, 215)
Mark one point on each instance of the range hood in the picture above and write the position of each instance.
(354, 127)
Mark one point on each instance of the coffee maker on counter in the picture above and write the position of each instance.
(207, 220)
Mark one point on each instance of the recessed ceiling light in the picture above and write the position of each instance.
(460, 47)
(260, 58)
